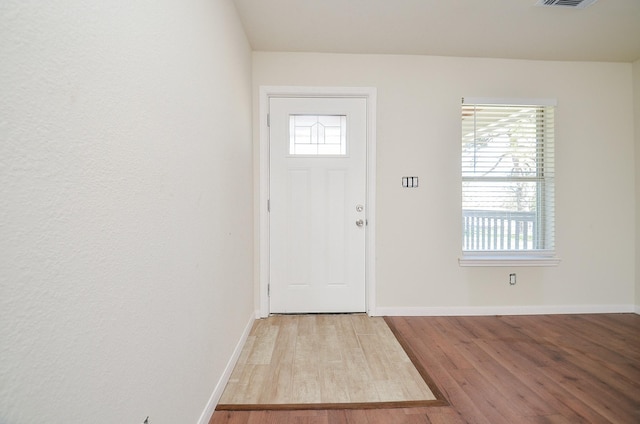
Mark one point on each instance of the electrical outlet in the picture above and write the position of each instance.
(512, 279)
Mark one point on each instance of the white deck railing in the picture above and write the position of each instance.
(499, 230)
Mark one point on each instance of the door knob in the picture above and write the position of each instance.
(360, 222)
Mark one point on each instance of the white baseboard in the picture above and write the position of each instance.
(505, 310)
(222, 382)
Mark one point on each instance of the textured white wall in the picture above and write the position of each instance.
(418, 133)
(125, 207)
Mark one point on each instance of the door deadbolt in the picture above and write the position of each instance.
(359, 208)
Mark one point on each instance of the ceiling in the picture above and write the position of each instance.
(608, 30)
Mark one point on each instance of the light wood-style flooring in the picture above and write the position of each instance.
(293, 360)
(508, 369)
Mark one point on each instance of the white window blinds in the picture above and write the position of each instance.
(508, 176)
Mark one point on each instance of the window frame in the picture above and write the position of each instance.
(512, 257)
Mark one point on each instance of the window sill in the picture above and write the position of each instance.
(475, 260)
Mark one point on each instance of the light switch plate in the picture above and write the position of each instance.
(409, 182)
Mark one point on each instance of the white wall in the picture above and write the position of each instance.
(418, 133)
(636, 103)
(126, 208)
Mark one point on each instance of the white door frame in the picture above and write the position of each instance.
(368, 93)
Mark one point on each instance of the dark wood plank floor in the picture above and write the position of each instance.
(508, 369)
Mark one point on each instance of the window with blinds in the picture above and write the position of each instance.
(508, 176)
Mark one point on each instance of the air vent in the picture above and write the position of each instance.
(576, 4)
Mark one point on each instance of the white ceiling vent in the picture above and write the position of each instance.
(577, 4)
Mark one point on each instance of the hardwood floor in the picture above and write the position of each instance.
(508, 369)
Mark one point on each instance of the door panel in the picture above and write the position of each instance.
(317, 251)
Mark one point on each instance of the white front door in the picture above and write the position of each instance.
(317, 186)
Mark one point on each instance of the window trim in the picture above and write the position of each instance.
(509, 101)
(508, 258)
